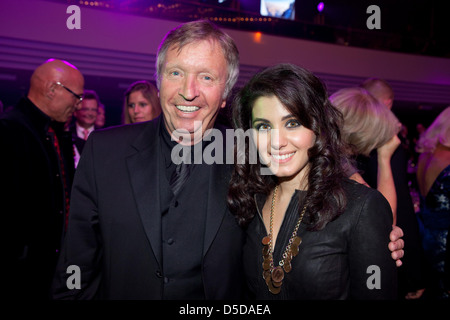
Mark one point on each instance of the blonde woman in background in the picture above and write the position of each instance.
(101, 117)
(141, 102)
(369, 125)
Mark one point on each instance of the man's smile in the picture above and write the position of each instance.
(187, 108)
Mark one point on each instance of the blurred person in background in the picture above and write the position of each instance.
(410, 275)
(141, 102)
(84, 122)
(101, 117)
(36, 170)
(369, 125)
(433, 178)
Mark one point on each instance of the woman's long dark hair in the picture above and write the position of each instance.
(305, 96)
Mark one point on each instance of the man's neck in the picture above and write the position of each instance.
(84, 126)
(38, 103)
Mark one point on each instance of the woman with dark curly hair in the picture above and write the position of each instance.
(311, 232)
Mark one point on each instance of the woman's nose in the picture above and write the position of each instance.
(278, 139)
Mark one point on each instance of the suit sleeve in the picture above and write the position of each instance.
(14, 230)
(82, 245)
(373, 272)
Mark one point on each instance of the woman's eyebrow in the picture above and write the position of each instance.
(289, 116)
(259, 119)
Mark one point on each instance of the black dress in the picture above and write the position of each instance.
(348, 259)
(435, 222)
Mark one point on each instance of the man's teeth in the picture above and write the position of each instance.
(282, 157)
(187, 108)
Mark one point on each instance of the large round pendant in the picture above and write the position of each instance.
(277, 274)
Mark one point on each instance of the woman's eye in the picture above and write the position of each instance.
(262, 127)
(131, 105)
(175, 73)
(292, 124)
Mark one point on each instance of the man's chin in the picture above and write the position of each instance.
(185, 137)
(188, 136)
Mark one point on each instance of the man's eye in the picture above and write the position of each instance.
(173, 73)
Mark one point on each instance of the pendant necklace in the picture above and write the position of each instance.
(274, 275)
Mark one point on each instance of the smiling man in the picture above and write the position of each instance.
(196, 73)
(132, 231)
(192, 86)
(85, 118)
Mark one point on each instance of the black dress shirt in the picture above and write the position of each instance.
(183, 223)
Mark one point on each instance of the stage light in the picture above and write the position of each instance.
(257, 37)
(320, 6)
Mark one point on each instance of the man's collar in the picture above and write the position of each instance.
(39, 118)
(80, 129)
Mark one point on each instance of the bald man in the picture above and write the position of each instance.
(36, 170)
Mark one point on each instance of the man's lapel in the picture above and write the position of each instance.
(144, 168)
(217, 194)
(216, 209)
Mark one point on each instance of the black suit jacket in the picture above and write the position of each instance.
(333, 263)
(114, 232)
(31, 199)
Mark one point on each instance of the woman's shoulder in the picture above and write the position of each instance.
(361, 198)
(353, 188)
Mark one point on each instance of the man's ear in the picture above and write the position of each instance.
(50, 89)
